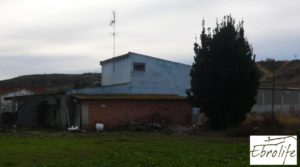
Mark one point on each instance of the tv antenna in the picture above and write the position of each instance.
(113, 23)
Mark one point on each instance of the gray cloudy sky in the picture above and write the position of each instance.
(72, 36)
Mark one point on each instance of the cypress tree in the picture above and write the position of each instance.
(224, 75)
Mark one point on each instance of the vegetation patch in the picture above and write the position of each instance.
(121, 149)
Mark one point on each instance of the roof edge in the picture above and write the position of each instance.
(115, 59)
(129, 97)
(124, 56)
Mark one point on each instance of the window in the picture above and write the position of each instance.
(138, 66)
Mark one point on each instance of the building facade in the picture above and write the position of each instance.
(115, 111)
(9, 105)
(135, 87)
(134, 73)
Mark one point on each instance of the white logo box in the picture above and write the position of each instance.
(273, 150)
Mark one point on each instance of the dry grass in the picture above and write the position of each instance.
(288, 120)
(262, 123)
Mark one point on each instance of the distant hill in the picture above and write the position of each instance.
(287, 73)
(53, 81)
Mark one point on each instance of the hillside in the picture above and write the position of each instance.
(53, 81)
(287, 73)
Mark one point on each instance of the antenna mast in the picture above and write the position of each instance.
(113, 23)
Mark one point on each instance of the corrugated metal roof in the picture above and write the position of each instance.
(129, 97)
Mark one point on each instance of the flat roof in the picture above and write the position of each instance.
(54, 93)
(129, 97)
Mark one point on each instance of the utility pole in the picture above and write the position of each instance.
(273, 97)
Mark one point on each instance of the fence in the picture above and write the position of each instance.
(285, 100)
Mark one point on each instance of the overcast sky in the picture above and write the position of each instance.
(72, 36)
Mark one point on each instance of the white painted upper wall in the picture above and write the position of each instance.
(160, 76)
(116, 72)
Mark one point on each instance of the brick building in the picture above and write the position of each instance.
(118, 110)
(135, 87)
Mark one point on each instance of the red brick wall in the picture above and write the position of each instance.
(117, 112)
